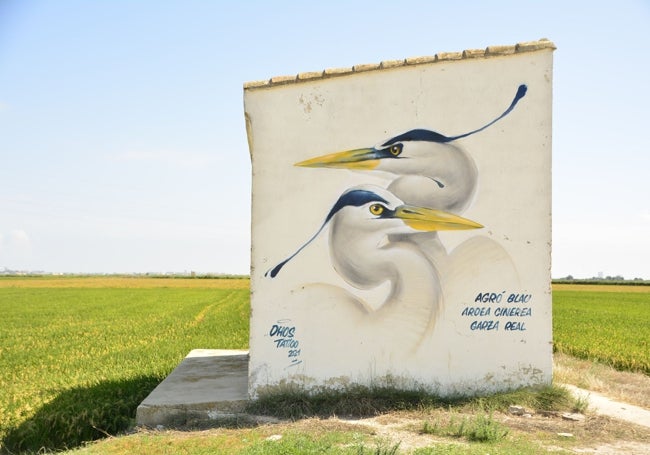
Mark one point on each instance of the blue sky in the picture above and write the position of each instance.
(122, 137)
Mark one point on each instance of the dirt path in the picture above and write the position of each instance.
(604, 406)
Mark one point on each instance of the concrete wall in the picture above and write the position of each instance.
(393, 243)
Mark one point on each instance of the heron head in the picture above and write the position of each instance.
(404, 153)
(358, 159)
(407, 154)
(369, 209)
(377, 209)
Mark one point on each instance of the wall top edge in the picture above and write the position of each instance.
(488, 52)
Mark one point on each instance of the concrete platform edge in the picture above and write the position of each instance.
(208, 386)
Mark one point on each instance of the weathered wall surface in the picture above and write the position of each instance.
(392, 242)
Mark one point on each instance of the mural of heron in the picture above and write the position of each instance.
(359, 223)
(379, 235)
(430, 169)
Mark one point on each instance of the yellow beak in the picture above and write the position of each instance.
(365, 159)
(424, 219)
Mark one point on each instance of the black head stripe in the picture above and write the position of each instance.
(354, 198)
(418, 135)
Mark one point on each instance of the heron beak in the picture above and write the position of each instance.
(424, 219)
(365, 159)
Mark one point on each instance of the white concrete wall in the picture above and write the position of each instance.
(455, 311)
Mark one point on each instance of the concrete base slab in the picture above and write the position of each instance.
(208, 385)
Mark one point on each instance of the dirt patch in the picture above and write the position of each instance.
(549, 431)
(554, 431)
(593, 434)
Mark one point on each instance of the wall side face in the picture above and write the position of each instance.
(386, 290)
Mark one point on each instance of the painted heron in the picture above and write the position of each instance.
(360, 225)
(431, 169)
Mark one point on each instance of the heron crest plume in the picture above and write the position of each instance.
(433, 136)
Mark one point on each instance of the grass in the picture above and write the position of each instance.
(353, 400)
(248, 442)
(343, 443)
(608, 324)
(357, 400)
(478, 428)
(122, 282)
(77, 355)
(245, 442)
(75, 361)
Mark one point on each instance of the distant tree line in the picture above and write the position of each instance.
(617, 279)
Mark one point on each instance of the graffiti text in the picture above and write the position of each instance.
(283, 336)
(504, 305)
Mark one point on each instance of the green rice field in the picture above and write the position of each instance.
(78, 354)
(607, 324)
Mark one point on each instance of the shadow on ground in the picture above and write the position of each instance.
(79, 415)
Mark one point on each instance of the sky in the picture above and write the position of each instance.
(122, 136)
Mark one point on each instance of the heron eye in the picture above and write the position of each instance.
(395, 150)
(376, 209)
